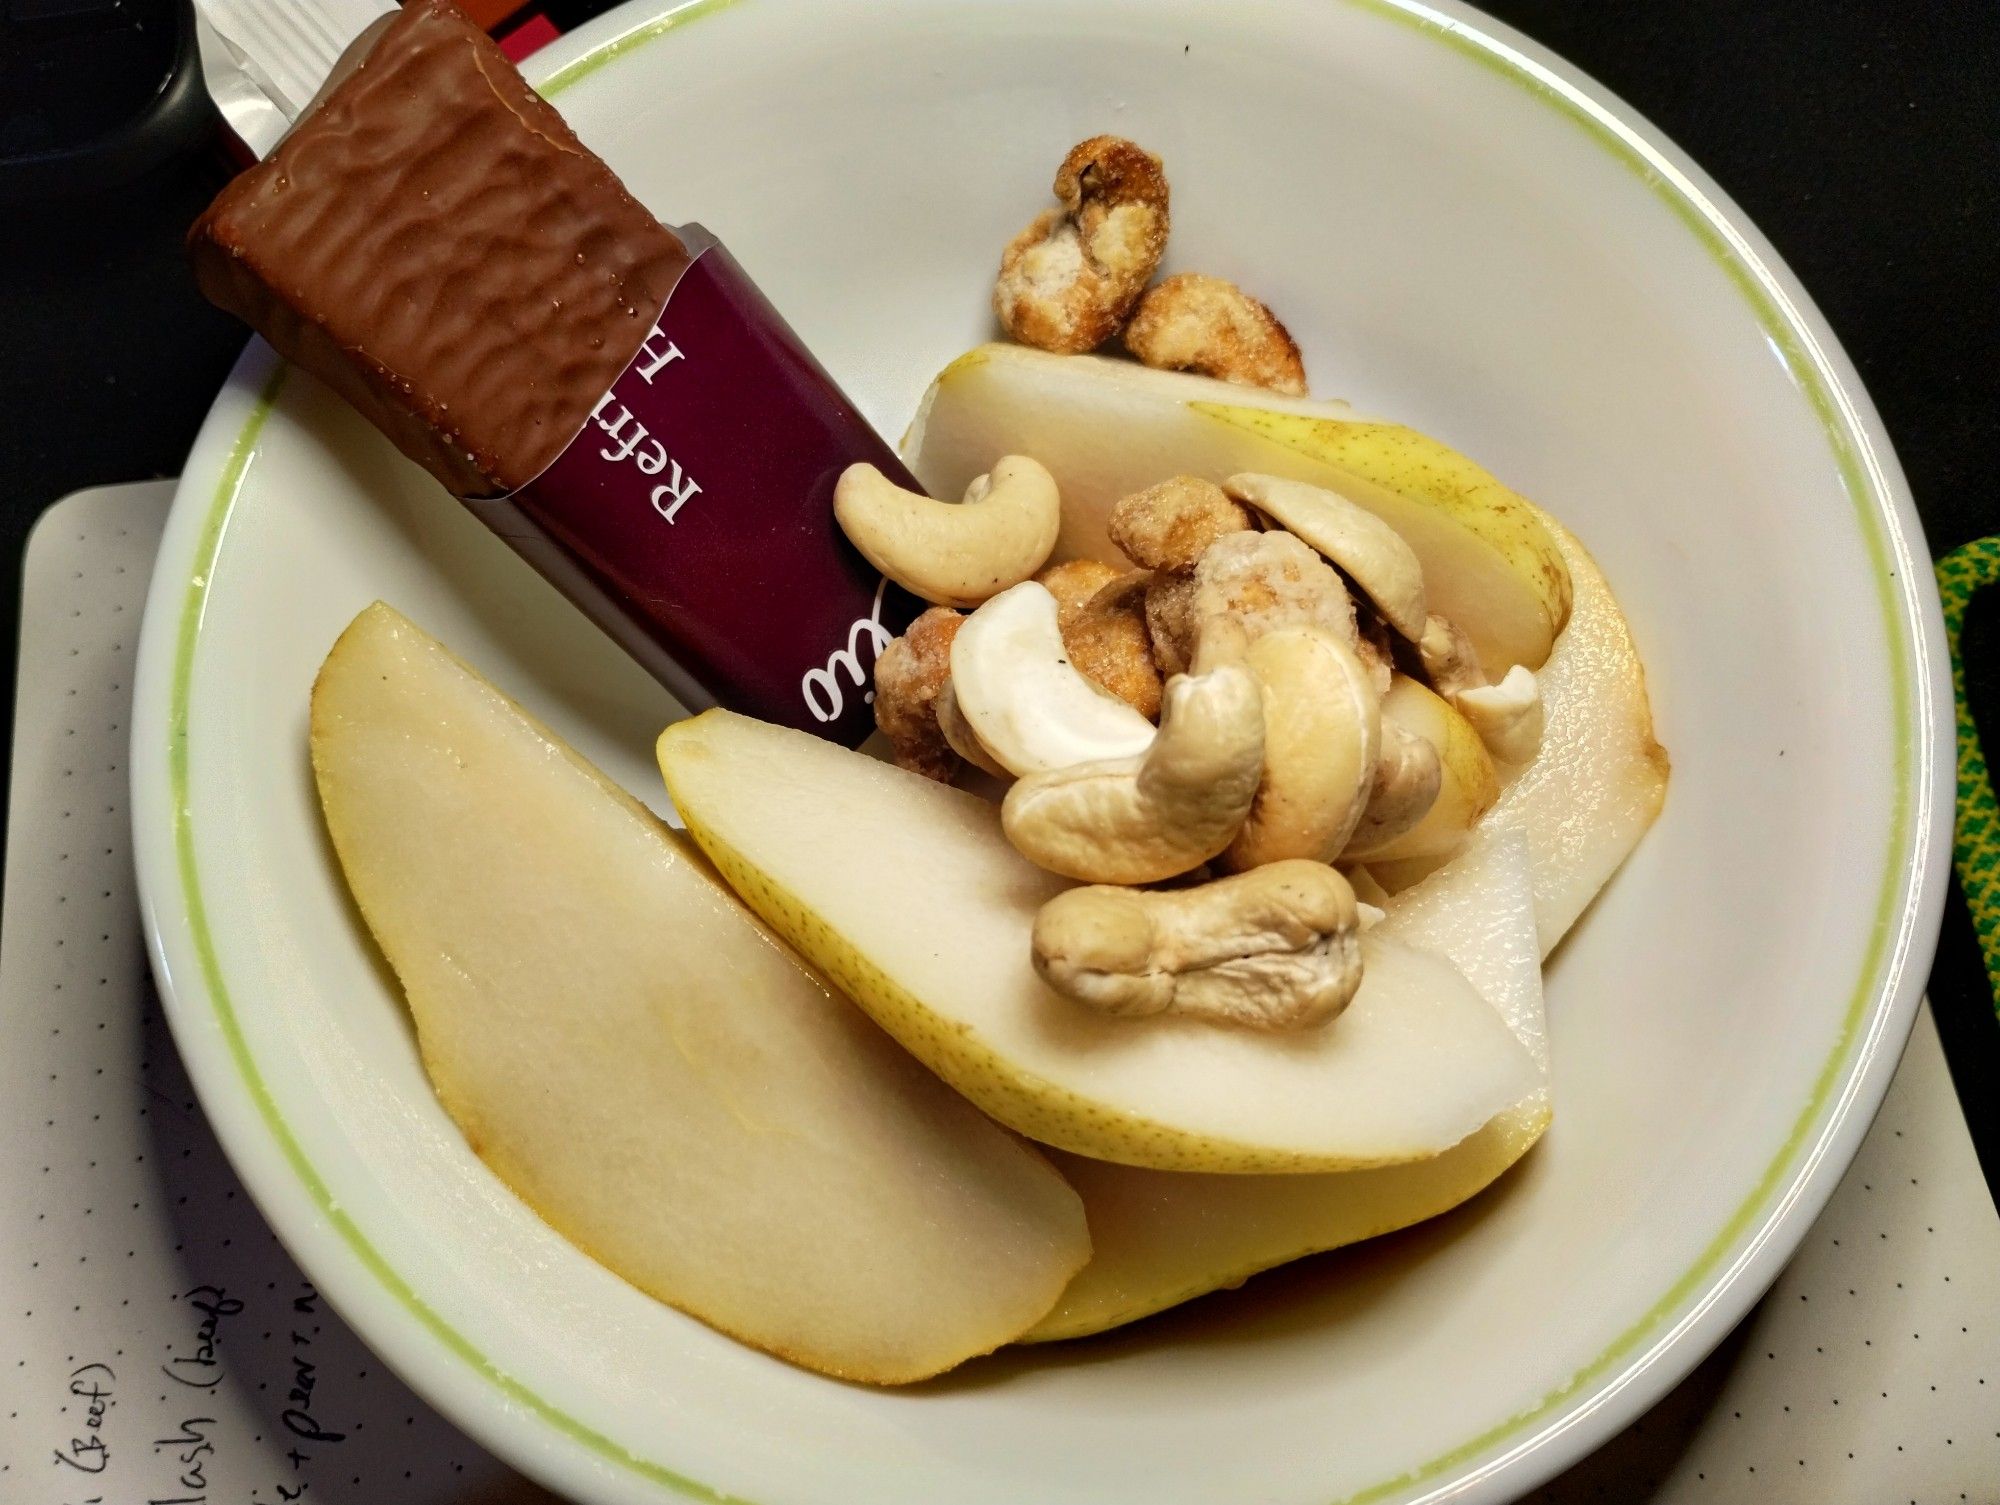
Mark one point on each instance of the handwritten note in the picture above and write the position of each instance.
(157, 1345)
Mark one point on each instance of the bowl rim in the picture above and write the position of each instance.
(1599, 1399)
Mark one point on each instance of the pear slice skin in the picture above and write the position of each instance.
(1600, 779)
(1160, 1237)
(1107, 427)
(907, 894)
(644, 1064)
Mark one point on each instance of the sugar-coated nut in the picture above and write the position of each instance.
(1152, 817)
(1275, 948)
(1022, 698)
(953, 554)
(1211, 326)
(1169, 526)
(1271, 580)
(1372, 554)
(1070, 279)
(1170, 622)
(1110, 645)
(1450, 661)
(1075, 581)
(909, 675)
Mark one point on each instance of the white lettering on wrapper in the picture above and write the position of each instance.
(676, 489)
(632, 440)
(657, 360)
(821, 686)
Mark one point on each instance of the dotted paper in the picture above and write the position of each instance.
(155, 1341)
(151, 1328)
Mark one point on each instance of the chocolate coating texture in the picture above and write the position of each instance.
(433, 242)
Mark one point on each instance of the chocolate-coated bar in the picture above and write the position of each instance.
(613, 397)
(433, 242)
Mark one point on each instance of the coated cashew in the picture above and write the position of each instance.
(1169, 526)
(1209, 325)
(1023, 700)
(1275, 948)
(1264, 580)
(911, 676)
(1371, 553)
(1107, 637)
(1408, 778)
(1322, 743)
(1508, 716)
(1147, 818)
(1450, 661)
(953, 554)
(1069, 280)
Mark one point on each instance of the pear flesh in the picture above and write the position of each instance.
(908, 895)
(1600, 779)
(1159, 1238)
(644, 1064)
(1106, 428)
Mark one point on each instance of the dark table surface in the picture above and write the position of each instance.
(1863, 138)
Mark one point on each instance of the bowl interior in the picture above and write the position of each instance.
(1454, 248)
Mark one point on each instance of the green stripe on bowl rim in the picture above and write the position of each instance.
(1802, 360)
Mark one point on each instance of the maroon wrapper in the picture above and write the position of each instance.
(692, 517)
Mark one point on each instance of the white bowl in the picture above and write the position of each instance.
(1464, 234)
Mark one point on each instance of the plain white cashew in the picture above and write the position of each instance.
(1022, 699)
(1508, 716)
(1322, 742)
(959, 736)
(953, 554)
(1148, 818)
(1275, 948)
(1370, 552)
(1408, 779)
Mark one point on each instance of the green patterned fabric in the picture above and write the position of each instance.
(1962, 574)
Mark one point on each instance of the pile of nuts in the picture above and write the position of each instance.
(1198, 737)
(1078, 275)
(1214, 710)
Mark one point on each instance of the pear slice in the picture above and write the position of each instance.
(1471, 784)
(644, 1064)
(1600, 779)
(1106, 428)
(1161, 1237)
(906, 893)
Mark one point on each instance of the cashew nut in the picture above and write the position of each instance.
(953, 554)
(911, 674)
(1264, 580)
(959, 736)
(1322, 742)
(1189, 322)
(1170, 526)
(1508, 716)
(1408, 778)
(1275, 948)
(1070, 279)
(1022, 698)
(1147, 818)
(1371, 553)
(1450, 661)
